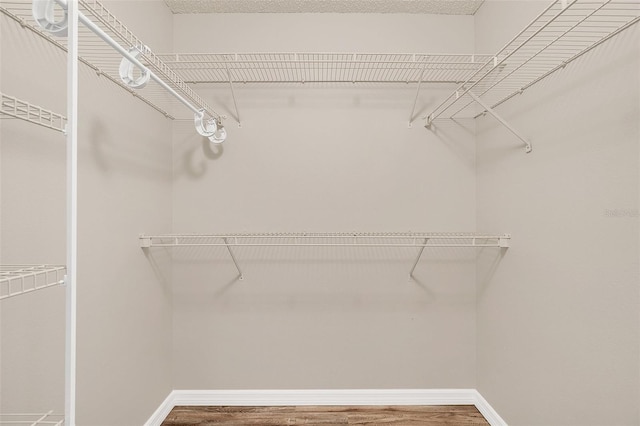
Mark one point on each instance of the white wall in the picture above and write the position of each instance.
(324, 159)
(558, 315)
(124, 308)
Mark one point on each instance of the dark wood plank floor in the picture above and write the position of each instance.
(449, 415)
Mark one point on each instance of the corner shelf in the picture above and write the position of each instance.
(562, 33)
(21, 279)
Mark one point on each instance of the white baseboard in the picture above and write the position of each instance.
(326, 397)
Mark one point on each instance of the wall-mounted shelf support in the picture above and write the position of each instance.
(233, 95)
(235, 261)
(527, 144)
(413, 268)
(415, 100)
(397, 240)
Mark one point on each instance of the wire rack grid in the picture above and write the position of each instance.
(23, 110)
(287, 67)
(33, 419)
(21, 279)
(304, 239)
(562, 33)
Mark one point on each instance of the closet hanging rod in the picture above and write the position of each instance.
(133, 59)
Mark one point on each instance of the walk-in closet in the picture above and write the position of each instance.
(305, 203)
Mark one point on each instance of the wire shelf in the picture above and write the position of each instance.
(558, 36)
(38, 419)
(20, 279)
(302, 239)
(16, 108)
(105, 61)
(324, 67)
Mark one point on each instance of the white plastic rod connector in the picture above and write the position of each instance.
(124, 52)
(210, 128)
(127, 69)
(43, 13)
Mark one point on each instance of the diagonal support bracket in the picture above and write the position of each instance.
(418, 258)
(233, 94)
(235, 261)
(527, 144)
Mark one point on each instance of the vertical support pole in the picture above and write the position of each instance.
(72, 213)
(235, 262)
(415, 101)
(418, 258)
(233, 93)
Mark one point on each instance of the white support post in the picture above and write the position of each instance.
(418, 258)
(527, 144)
(72, 213)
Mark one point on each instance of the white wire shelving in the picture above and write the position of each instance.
(21, 279)
(287, 67)
(562, 33)
(105, 61)
(33, 419)
(23, 110)
(420, 240)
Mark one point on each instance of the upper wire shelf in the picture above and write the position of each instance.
(20, 279)
(34, 419)
(324, 67)
(562, 33)
(409, 239)
(16, 108)
(105, 61)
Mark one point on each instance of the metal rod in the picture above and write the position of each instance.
(435, 114)
(233, 94)
(415, 101)
(72, 213)
(111, 42)
(235, 262)
(527, 144)
(318, 245)
(418, 258)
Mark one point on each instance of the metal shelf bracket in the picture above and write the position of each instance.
(527, 144)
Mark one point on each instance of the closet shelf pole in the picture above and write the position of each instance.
(72, 214)
(235, 261)
(111, 42)
(527, 144)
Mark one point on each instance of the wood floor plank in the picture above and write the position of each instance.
(453, 415)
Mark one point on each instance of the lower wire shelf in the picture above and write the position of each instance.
(32, 419)
(20, 279)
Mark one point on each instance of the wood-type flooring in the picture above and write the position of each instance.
(450, 415)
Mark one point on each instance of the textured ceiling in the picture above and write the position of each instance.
(444, 7)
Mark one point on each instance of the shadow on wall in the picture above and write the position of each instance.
(455, 134)
(111, 153)
(487, 266)
(191, 168)
(318, 278)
